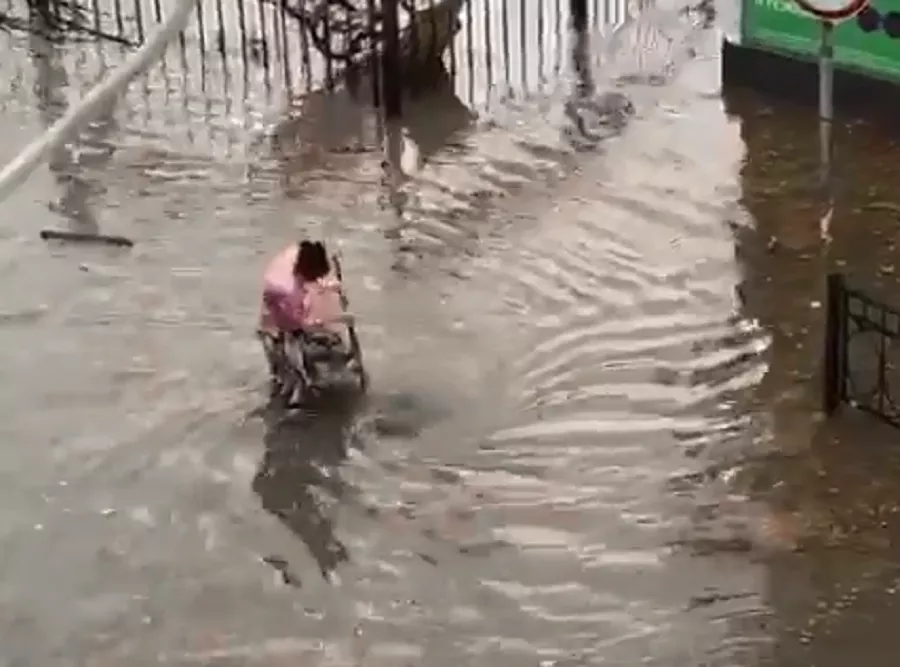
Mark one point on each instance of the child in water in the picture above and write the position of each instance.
(300, 294)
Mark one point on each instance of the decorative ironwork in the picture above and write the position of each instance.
(348, 32)
(862, 352)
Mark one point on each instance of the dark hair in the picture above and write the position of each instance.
(312, 261)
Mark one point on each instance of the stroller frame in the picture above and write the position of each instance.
(294, 358)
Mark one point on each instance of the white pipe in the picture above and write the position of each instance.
(102, 95)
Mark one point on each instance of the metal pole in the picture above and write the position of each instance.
(579, 14)
(833, 372)
(391, 109)
(581, 63)
(393, 150)
(826, 97)
(826, 124)
(390, 63)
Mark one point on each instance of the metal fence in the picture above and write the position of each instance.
(862, 352)
(239, 53)
(244, 66)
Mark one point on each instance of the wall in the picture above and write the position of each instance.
(782, 25)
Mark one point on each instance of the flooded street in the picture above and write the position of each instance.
(592, 436)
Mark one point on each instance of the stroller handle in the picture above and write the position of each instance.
(343, 318)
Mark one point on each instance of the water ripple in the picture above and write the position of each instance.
(555, 343)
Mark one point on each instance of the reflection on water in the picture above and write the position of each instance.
(331, 132)
(300, 476)
(592, 437)
(67, 162)
(830, 495)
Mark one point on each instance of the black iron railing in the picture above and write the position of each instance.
(862, 352)
(491, 48)
(311, 72)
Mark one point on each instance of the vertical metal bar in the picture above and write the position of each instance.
(245, 49)
(182, 47)
(434, 30)
(470, 53)
(139, 19)
(220, 20)
(146, 77)
(306, 65)
(834, 371)
(488, 51)
(281, 22)
(391, 60)
(120, 24)
(185, 85)
(559, 36)
(261, 17)
(581, 60)
(504, 32)
(882, 365)
(418, 49)
(96, 6)
(393, 150)
(201, 47)
(579, 14)
(540, 45)
(843, 327)
(452, 26)
(826, 98)
(392, 102)
(222, 46)
(370, 46)
(201, 27)
(265, 50)
(242, 26)
(523, 46)
(329, 61)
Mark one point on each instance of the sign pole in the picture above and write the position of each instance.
(828, 13)
(826, 97)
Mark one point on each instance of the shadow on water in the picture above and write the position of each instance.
(328, 130)
(436, 116)
(299, 479)
(299, 476)
(68, 162)
(827, 492)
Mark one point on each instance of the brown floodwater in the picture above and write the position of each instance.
(593, 434)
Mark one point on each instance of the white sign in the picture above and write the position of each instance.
(833, 10)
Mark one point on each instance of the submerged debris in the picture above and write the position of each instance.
(105, 239)
(282, 567)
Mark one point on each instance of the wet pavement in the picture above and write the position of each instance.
(592, 436)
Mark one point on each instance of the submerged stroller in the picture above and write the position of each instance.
(308, 362)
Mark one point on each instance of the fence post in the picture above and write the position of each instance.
(579, 12)
(390, 60)
(835, 320)
(581, 49)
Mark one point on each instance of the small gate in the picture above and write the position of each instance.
(862, 351)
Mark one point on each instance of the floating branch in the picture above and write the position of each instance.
(82, 237)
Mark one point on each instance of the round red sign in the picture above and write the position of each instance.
(833, 10)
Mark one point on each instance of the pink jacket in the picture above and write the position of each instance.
(289, 304)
